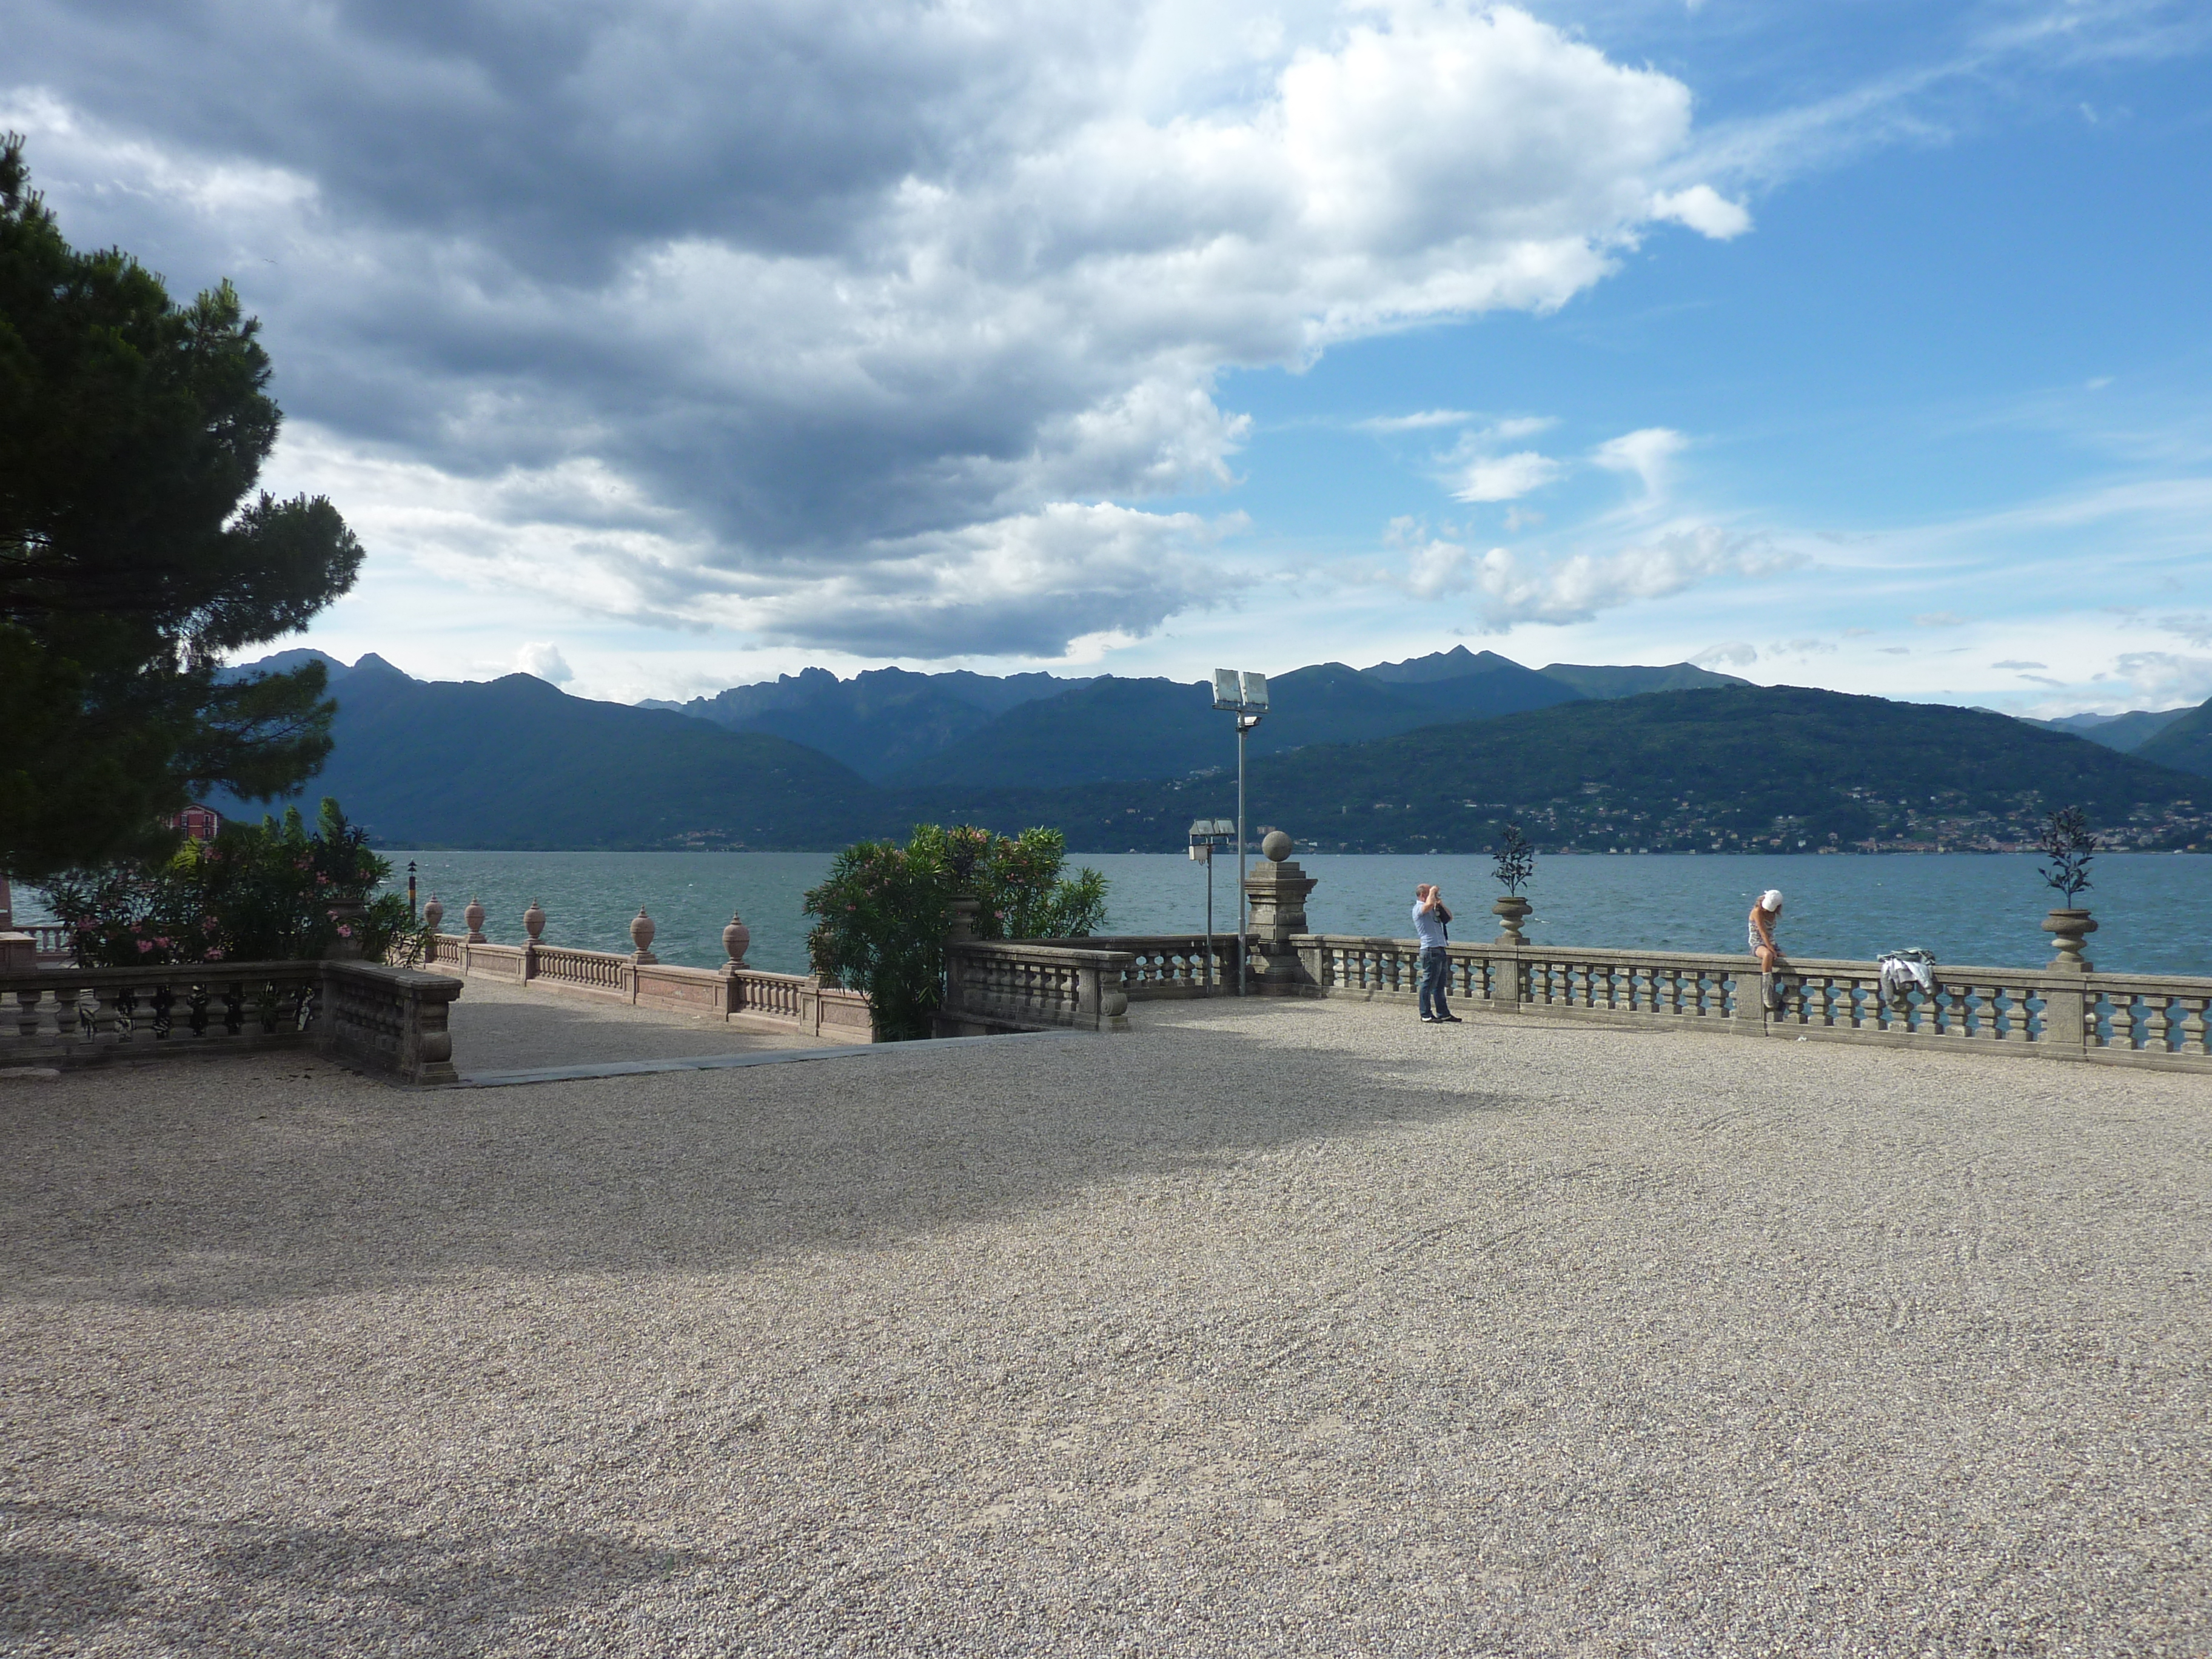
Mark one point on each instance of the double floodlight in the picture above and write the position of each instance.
(1245, 693)
(1213, 829)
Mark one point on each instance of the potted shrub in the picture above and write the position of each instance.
(1515, 863)
(2068, 842)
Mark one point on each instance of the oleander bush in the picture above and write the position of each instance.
(881, 914)
(268, 892)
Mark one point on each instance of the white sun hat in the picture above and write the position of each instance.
(1771, 899)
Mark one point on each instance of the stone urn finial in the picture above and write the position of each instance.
(642, 931)
(474, 916)
(1510, 911)
(533, 922)
(736, 937)
(433, 914)
(2070, 931)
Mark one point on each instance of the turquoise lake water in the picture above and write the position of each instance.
(2153, 910)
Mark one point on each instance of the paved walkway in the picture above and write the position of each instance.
(505, 1028)
(1265, 1330)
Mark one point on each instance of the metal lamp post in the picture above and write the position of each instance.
(1244, 695)
(1206, 835)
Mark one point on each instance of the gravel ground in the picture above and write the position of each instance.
(1266, 1329)
(504, 1028)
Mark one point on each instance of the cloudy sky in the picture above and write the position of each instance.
(661, 345)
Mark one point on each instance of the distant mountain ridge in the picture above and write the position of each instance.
(516, 763)
(2126, 733)
(1035, 730)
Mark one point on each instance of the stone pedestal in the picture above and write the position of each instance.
(2065, 1013)
(1276, 891)
(960, 917)
(2070, 931)
(19, 954)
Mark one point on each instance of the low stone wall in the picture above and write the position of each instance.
(388, 1021)
(95, 1016)
(1163, 966)
(993, 986)
(747, 998)
(393, 1021)
(2109, 1018)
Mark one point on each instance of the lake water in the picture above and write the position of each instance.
(2153, 910)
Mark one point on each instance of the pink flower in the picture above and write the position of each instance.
(215, 954)
(145, 944)
(345, 932)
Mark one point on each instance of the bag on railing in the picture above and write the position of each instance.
(1903, 969)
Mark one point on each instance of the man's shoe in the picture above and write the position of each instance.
(1430, 1020)
(1449, 1019)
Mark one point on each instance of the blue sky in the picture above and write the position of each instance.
(663, 347)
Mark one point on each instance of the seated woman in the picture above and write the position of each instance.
(1763, 914)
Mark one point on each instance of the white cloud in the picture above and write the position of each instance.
(1939, 619)
(1705, 211)
(1506, 478)
(2162, 679)
(1806, 648)
(1736, 653)
(800, 294)
(545, 661)
(2020, 665)
(1645, 453)
(2195, 628)
(1427, 418)
(1575, 588)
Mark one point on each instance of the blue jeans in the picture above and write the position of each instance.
(1436, 975)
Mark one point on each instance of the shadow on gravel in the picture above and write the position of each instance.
(269, 1591)
(242, 1195)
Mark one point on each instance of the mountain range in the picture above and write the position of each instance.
(973, 730)
(1436, 751)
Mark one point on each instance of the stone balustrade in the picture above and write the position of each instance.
(995, 985)
(2051, 1013)
(1165, 965)
(385, 1020)
(745, 997)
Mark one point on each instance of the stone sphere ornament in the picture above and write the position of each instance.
(1277, 845)
(533, 922)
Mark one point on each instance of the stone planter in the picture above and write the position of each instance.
(1511, 911)
(2071, 930)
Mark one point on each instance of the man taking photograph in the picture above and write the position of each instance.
(1430, 920)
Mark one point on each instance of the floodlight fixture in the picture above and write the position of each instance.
(1245, 696)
